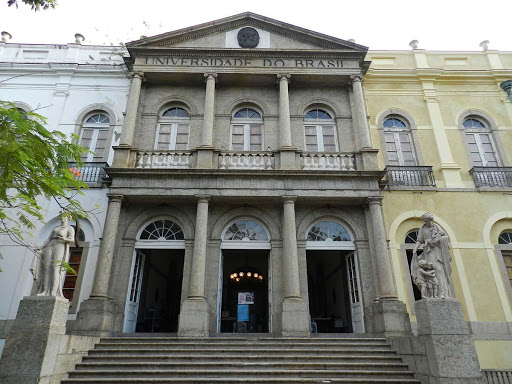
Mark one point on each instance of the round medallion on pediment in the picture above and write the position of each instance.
(248, 37)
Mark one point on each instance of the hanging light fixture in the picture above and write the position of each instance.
(245, 275)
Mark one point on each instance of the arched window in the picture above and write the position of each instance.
(505, 238)
(245, 230)
(482, 149)
(505, 241)
(246, 130)
(328, 231)
(397, 135)
(320, 131)
(409, 243)
(95, 136)
(173, 130)
(162, 230)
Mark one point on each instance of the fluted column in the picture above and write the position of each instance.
(106, 253)
(284, 112)
(131, 111)
(197, 275)
(291, 263)
(209, 110)
(386, 283)
(363, 129)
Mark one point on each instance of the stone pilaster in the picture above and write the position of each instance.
(295, 321)
(123, 151)
(205, 151)
(390, 314)
(33, 342)
(96, 315)
(194, 314)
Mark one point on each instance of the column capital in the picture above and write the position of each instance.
(211, 75)
(203, 198)
(355, 79)
(374, 200)
(138, 75)
(283, 76)
(288, 199)
(115, 198)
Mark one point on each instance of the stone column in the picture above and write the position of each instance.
(369, 154)
(205, 151)
(390, 314)
(194, 315)
(296, 320)
(97, 314)
(106, 253)
(123, 151)
(387, 289)
(287, 152)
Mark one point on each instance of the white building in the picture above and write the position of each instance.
(80, 89)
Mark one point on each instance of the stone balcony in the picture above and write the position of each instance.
(492, 177)
(409, 176)
(249, 160)
(91, 173)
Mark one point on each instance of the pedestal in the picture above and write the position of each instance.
(194, 318)
(295, 318)
(204, 158)
(287, 158)
(450, 348)
(96, 317)
(391, 318)
(32, 345)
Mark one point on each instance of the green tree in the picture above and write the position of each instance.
(34, 165)
(35, 5)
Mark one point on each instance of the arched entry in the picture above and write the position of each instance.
(154, 292)
(334, 289)
(244, 279)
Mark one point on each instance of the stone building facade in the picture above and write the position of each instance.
(254, 185)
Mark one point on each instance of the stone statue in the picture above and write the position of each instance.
(436, 254)
(47, 266)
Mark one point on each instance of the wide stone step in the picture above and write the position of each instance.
(240, 366)
(255, 346)
(241, 351)
(384, 358)
(248, 380)
(243, 340)
(200, 373)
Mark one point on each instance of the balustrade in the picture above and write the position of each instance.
(246, 160)
(494, 177)
(163, 160)
(328, 161)
(410, 176)
(89, 172)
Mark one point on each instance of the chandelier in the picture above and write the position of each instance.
(245, 275)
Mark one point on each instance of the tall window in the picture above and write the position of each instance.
(410, 241)
(173, 130)
(94, 136)
(506, 239)
(75, 258)
(320, 132)
(397, 135)
(246, 130)
(482, 149)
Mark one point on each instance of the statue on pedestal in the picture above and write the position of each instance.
(47, 267)
(436, 257)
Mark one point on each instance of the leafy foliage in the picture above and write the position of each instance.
(35, 5)
(34, 165)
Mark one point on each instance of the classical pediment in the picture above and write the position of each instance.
(223, 34)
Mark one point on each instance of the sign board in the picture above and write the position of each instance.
(243, 312)
(245, 297)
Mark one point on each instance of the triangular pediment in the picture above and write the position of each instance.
(222, 34)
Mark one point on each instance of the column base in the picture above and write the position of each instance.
(96, 317)
(295, 318)
(194, 318)
(124, 157)
(205, 157)
(369, 159)
(451, 175)
(391, 318)
(287, 158)
(33, 342)
(450, 348)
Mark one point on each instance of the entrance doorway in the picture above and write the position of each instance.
(244, 297)
(154, 296)
(334, 294)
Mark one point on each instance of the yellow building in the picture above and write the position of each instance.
(444, 125)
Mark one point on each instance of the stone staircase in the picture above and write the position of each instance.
(241, 360)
